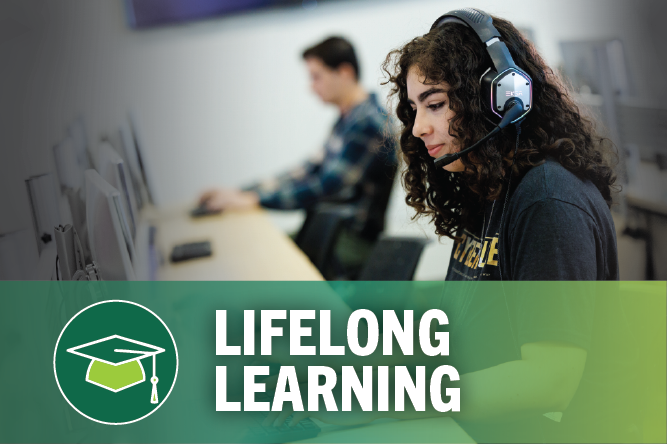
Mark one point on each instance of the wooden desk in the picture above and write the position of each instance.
(417, 430)
(246, 247)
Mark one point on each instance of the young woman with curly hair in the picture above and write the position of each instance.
(529, 204)
(556, 219)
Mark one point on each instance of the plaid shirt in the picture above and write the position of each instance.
(352, 167)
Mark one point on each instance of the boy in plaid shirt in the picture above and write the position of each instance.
(356, 165)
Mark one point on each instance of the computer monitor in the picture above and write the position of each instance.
(109, 236)
(128, 151)
(70, 169)
(141, 160)
(114, 170)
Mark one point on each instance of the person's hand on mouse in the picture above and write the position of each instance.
(228, 199)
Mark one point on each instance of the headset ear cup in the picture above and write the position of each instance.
(486, 82)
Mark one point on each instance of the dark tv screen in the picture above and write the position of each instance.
(146, 13)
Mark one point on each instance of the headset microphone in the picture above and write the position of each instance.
(506, 88)
(513, 110)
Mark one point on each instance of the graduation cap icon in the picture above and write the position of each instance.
(116, 363)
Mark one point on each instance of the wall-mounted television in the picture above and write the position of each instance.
(147, 13)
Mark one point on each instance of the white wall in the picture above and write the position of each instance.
(223, 101)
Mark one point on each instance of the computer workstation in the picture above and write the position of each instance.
(635, 123)
(103, 201)
(114, 170)
(129, 238)
(121, 227)
(642, 133)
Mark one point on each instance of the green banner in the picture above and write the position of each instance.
(349, 361)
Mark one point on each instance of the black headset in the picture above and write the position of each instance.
(506, 88)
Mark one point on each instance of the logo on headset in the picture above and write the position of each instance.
(513, 94)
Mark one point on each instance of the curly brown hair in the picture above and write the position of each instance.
(555, 126)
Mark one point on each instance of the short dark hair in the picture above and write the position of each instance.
(333, 52)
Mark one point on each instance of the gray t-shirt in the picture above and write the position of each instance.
(555, 226)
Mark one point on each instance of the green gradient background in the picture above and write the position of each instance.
(34, 313)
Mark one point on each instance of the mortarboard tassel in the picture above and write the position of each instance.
(154, 380)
